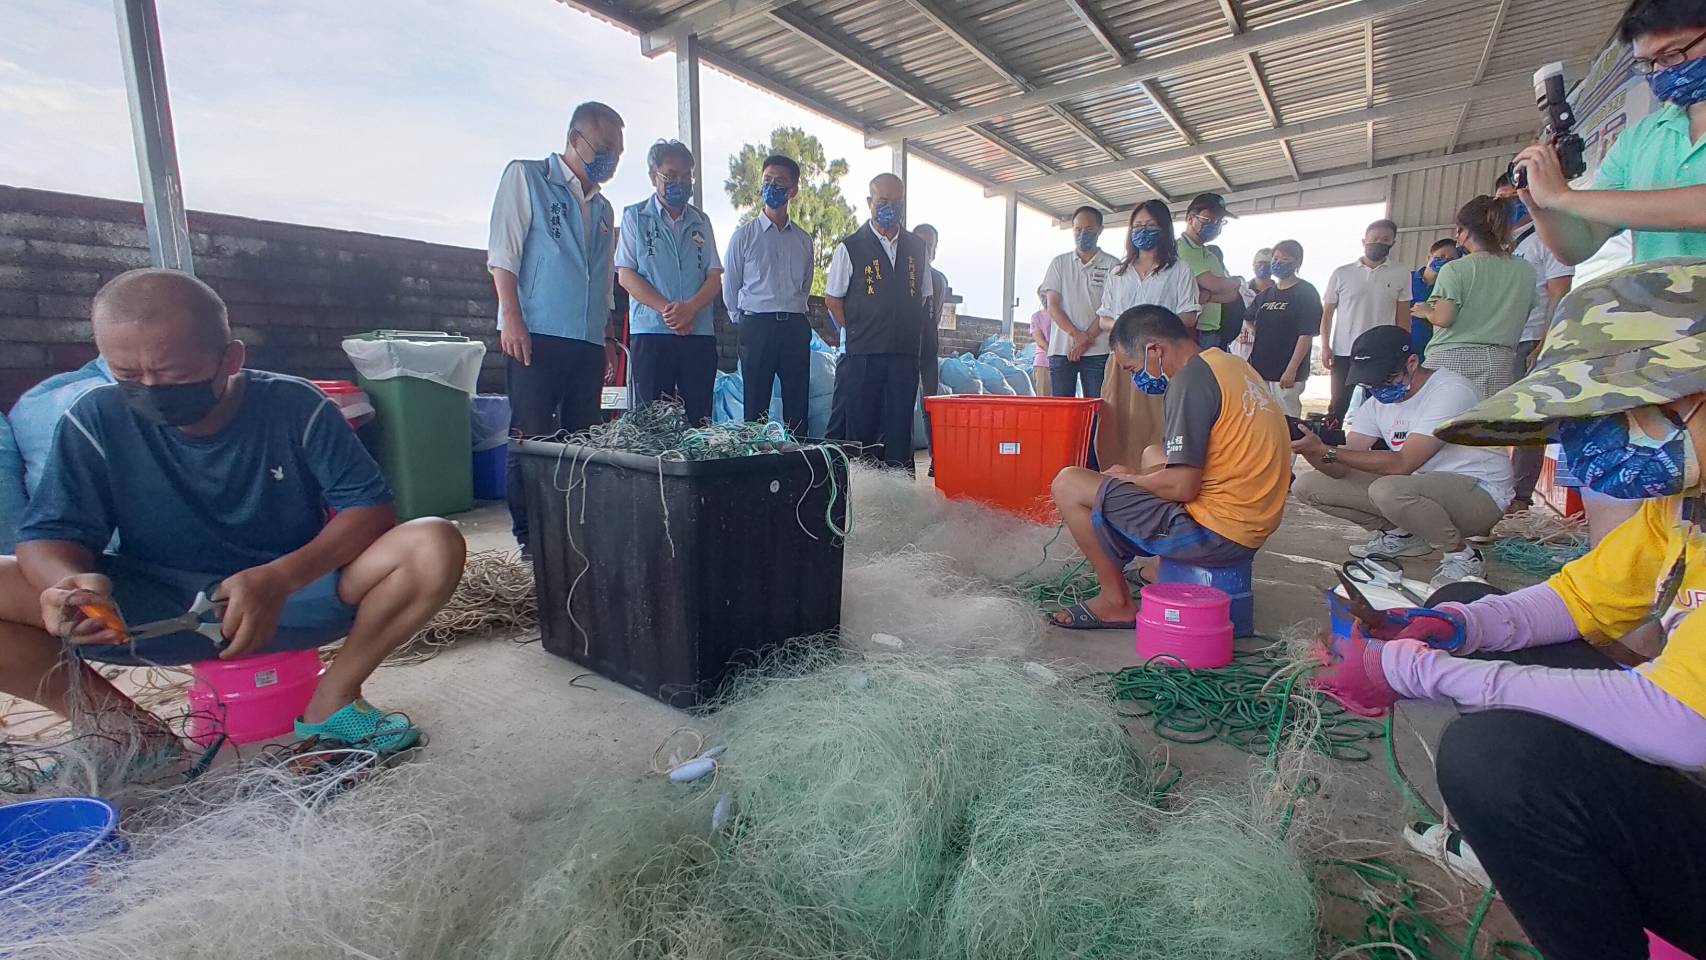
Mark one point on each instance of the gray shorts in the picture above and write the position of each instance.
(1131, 522)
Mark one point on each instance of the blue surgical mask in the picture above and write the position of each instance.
(775, 196)
(1615, 457)
(1283, 269)
(1207, 231)
(601, 166)
(1085, 240)
(1389, 392)
(1683, 84)
(1515, 211)
(1265, 271)
(886, 214)
(1436, 263)
(676, 194)
(1145, 238)
(1141, 378)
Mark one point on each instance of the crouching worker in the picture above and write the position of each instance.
(220, 479)
(1212, 495)
(1574, 783)
(1420, 494)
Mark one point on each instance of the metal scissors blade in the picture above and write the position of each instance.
(1363, 611)
(193, 619)
(1379, 574)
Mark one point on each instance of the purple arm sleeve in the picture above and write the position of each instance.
(1621, 707)
(1531, 617)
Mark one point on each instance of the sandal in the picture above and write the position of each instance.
(361, 724)
(1083, 619)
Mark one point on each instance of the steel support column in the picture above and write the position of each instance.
(151, 128)
(687, 109)
(1009, 264)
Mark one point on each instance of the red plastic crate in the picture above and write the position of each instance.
(1006, 451)
(1565, 501)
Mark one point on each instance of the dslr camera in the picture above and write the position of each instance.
(1560, 128)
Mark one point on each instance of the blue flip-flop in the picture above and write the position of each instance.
(1083, 619)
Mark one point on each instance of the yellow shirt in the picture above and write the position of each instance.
(1617, 587)
(1247, 472)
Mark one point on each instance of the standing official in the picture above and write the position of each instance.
(667, 260)
(1072, 292)
(550, 252)
(878, 286)
(767, 275)
(929, 374)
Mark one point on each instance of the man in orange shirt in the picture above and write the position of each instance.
(1212, 493)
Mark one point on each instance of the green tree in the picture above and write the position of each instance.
(820, 209)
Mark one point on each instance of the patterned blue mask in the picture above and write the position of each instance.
(775, 196)
(676, 194)
(1389, 392)
(1265, 270)
(601, 166)
(1085, 240)
(886, 214)
(1208, 231)
(1615, 457)
(1282, 269)
(1515, 211)
(1154, 386)
(1683, 84)
(1146, 238)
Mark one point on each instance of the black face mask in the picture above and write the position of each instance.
(170, 404)
(1376, 251)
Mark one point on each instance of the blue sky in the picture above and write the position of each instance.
(397, 118)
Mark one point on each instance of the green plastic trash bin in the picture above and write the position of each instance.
(415, 381)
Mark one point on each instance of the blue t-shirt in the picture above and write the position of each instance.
(247, 495)
(1421, 331)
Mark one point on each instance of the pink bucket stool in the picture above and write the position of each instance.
(250, 699)
(1185, 624)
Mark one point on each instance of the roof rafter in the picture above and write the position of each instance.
(1480, 71)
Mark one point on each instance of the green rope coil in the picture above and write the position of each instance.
(1538, 559)
(1244, 705)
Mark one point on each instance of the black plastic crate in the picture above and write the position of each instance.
(754, 563)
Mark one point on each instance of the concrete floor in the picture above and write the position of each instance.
(509, 707)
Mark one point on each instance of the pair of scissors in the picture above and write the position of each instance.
(1372, 618)
(195, 619)
(1374, 572)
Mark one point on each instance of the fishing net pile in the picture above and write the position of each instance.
(887, 807)
(1539, 542)
(661, 430)
(496, 592)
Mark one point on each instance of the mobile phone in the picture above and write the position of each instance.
(1295, 426)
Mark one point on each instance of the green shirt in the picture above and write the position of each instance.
(1655, 154)
(1493, 295)
(1200, 261)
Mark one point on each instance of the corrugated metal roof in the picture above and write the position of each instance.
(881, 64)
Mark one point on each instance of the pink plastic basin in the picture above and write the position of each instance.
(1186, 624)
(251, 698)
(1659, 949)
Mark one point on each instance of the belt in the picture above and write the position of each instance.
(771, 315)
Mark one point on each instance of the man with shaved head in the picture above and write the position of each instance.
(878, 285)
(216, 479)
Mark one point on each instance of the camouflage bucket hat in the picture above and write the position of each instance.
(1632, 338)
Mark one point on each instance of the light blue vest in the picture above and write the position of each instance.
(564, 287)
(672, 262)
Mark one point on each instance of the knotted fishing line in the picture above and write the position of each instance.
(1539, 543)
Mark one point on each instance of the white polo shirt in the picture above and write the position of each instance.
(1367, 297)
(1079, 284)
(1174, 288)
(1547, 267)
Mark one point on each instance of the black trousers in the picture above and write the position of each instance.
(1588, 845)
(776, 345)
(560, 390)
(875, 394)
(929, 371)
(666, 365)
(1341, 390)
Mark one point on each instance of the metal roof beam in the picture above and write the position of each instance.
(1099, 142)
(1355, 11)
(1171, 115)
(1280, 188)
(962, 35)
(1097, 29)
(1368, 84)
(1480, 71)
(1083, 190)
(1337, 121)
(703, 16)
(1271, 108)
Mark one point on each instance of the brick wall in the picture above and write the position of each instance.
(294, 291)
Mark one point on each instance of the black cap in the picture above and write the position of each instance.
(1212, 202)
(1377, 354)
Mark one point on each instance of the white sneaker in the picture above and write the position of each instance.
(1394, 544)
(1446, 848)
(1457, 567)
